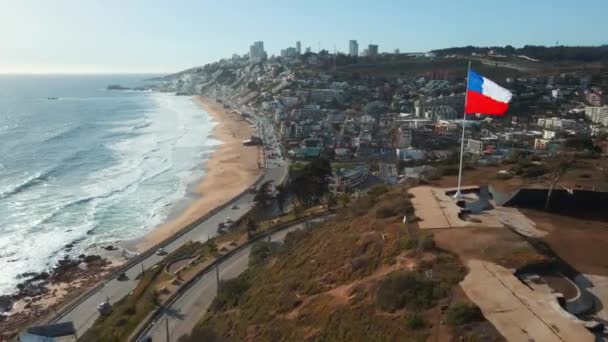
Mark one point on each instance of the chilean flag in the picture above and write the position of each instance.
(485, 96)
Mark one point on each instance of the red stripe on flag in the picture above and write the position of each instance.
(479, 103)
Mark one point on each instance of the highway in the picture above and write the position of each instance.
(183, 313)
(84, 314)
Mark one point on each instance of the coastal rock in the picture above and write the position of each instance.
(91, 258)
(31, 289)
(6, 303)
(110, 248)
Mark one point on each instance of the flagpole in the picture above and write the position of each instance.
(464, 118)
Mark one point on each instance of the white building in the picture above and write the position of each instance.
(353, 48)
(598, 115)
(555, 123)
(404, 139)
(548, 135)
(256, 52)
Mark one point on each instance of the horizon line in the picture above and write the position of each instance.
(76, 73)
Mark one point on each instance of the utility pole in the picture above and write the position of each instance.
(168, 338)
(217, 277)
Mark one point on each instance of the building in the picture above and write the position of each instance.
(308, 50)
(437, 108)
(347, 179)
(556, 123)
(598, 115)
(256, 52)
(353, 48)
(372, 50)
(298, 48)
(424, 172)
(595, 99)
(290, 52)
(404, 138)
(410, 154)
(324, 95)
(396, 52)
(548, 135)
(475, 146)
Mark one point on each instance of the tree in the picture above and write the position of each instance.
(262, 196)
(344, 199)
(252, 227)
(281, 198)
(330, 200)
(312, 182)
(557, 166)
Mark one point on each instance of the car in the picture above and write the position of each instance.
(228, 221)
(235, 207)
(161, 251)
(104, 308)
(122, 276)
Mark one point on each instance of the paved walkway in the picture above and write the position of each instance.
(518, 312)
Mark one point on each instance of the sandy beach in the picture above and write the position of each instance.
(231, 169)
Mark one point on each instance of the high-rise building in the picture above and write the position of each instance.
(372, 50)
(353, 48)
(396, 52)
(308, 50)
(256, 52)
(298, 47)
(290, 52)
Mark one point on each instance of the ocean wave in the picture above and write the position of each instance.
(42, 176)
(37, 178)
(65, 135)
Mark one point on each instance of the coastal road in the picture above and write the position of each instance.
(85, 313)
(183, 313)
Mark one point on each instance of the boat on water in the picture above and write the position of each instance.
(52, 98)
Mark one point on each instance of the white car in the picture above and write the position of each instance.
(161, 251)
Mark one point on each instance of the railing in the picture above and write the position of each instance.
(144, 327)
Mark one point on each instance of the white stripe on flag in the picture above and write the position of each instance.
(493, 90)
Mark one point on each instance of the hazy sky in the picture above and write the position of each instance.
(165, 36)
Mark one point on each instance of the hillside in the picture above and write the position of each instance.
(363, 276)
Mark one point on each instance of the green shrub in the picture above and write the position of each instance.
(534, 171)
(449, 170)
(386, 211)
(406, 289)
(426, 242)
(377, 190)
(413, 321)
(230, 292)
(408, 243)
(261, 251)
(461, 314)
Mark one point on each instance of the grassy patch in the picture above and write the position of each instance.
(461, 314)
(346, 279)
(412, 290)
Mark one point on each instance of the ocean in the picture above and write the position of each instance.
(92, 167)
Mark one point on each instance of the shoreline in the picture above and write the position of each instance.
(231, 169)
